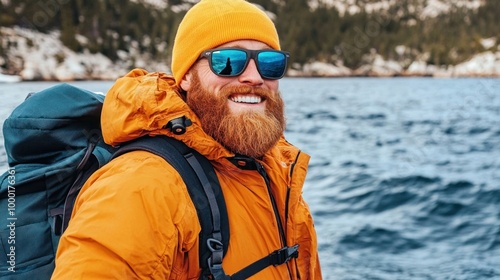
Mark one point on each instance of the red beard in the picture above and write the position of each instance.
(248, 133)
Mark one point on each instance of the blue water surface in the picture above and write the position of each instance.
(404, 181)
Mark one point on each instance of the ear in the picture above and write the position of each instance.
(186, 81)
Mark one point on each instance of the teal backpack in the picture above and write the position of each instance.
(54, 143)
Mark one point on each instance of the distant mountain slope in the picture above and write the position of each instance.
(422, 8)
(325, 37)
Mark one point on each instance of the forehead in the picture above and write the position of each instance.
(245, 44)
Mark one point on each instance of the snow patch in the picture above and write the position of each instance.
(321, 69)
(484, 64)
(488, 43)
(429, 8)
(158, 4)
(38, 56)
(9, 78)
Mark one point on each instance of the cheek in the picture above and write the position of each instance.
(205, 74)
(272, 85)
(208, 80)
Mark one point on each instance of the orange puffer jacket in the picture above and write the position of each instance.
(131, 222)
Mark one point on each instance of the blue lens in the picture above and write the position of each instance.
(231, 62)
(272, 64)
(228, 62)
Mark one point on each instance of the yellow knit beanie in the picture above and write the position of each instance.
(211, 23)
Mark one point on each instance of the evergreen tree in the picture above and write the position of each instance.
(309, 34)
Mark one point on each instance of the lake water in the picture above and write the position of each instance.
(404, 179)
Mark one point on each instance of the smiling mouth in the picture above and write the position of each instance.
(247, 99)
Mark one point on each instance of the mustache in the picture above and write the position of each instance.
(261, 92)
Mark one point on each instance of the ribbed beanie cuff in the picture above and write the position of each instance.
(211, 23)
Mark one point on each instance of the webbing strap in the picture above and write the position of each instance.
(277, 257)
(205, 193)
(84, 169)
(214, 243)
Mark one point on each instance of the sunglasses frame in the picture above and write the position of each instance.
(251, 54)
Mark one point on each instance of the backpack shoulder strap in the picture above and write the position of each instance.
(88, 165)
(204, 189)
(206, 194)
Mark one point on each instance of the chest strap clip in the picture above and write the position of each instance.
(284, 255)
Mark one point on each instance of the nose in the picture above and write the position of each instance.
(251, 75)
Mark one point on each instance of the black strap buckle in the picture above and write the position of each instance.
(284, 254)
(57, 220)
(215, 261)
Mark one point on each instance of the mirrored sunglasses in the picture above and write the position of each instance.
(231, 62)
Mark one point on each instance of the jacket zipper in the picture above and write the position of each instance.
(263, 173)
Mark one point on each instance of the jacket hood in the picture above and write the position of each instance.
(142, 103)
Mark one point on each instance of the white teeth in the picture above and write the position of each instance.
(246, 99)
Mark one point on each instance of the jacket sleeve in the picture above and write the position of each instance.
(128, 222)
(304, 232)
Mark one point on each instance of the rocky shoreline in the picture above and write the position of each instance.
(485, 64)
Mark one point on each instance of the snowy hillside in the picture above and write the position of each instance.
(425, 8)
(106, 42)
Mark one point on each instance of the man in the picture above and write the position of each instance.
(131, 222)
